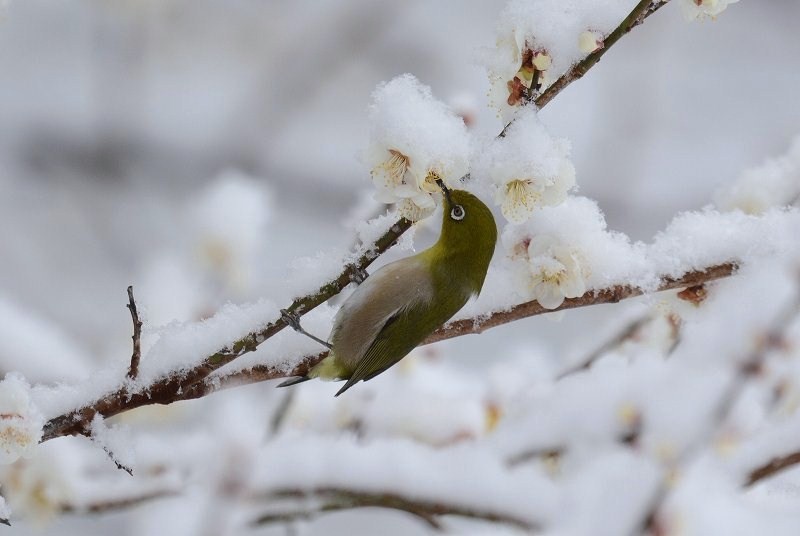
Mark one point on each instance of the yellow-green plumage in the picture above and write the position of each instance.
(398, 306)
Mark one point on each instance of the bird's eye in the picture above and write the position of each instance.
(457, 213)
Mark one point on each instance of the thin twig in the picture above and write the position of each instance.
(112, 505)
(624, 335)
(772, 467)
(133, 370)
(119, 464)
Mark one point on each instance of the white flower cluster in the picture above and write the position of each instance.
(527, 167)
(701, 9)
(20, 421)
(415, 141)
(540, 37)
(557, 271)
(561, 252)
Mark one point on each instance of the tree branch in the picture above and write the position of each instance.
(112, 505)
(637, 16)
(343, 499)
(170, 388)
(746, 370)
(772, 467)
(469, 326)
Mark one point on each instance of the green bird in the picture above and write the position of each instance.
(398, 306)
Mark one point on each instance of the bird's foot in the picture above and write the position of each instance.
(293, 321)
(359, 276)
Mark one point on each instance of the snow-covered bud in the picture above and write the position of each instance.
(589, 41)
(701, 9)
(527, 168)
(557, 271)
(415, 141)
(20, 421)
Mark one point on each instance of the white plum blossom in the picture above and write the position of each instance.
(700, 9)
(542, 39)
(527, 168)
(20, 421)
(561, 252)
(511, 69)
(415, 141)
(557, 271)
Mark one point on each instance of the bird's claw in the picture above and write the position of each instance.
(359, 275)
(291, 319)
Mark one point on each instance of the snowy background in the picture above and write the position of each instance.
(197, 148)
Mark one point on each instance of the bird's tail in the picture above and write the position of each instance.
(293, 381)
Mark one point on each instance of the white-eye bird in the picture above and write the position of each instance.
(398, 306)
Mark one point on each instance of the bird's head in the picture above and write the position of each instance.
(468, 229)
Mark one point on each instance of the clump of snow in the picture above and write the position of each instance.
(527, 167)
(774, 183)
(703, 9)
(114, 440)
(697, 240)
(548, 36)
(414, 141)
(21, 421)
(182, 346)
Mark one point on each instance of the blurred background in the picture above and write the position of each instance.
(195, 148)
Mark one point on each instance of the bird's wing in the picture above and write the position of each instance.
(391, 344)
(374, 305)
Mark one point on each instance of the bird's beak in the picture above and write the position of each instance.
(445, 190)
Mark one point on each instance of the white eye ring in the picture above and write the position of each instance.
(458, 213)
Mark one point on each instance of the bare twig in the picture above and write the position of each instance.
(338, 499)
(133, 370)
(627, 333)
(112, 505)
(772, 467)
(119, 464)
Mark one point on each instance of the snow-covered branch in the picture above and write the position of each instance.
(637, 16)
(177, 386)
(473, 325)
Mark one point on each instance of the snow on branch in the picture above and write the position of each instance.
(469, 326)
(186, 380)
